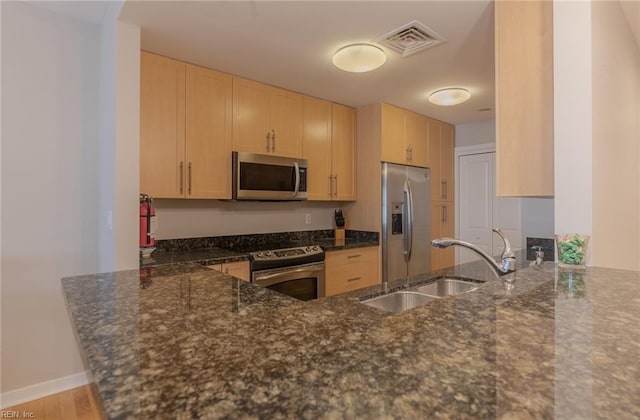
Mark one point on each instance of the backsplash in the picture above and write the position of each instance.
(208, 218)
(251, 242)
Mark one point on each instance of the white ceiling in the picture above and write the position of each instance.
(289, 44)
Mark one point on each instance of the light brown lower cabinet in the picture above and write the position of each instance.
(239, 269)
(350, 269)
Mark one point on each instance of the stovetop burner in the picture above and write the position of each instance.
(285, 253)
(285, 257)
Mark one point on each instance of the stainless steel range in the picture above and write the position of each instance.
(297, 272)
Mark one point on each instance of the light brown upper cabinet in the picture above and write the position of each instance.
(266, 120)
(404, 136)
(208, 145)
(441, 152)
(328, 143)
(162, 126)
(185, 130)
(524, 98)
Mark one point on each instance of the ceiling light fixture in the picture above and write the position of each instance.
(449, 96)
(359, 58)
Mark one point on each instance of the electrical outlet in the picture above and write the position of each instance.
(307, 219)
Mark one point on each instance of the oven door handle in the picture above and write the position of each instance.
(261, 278)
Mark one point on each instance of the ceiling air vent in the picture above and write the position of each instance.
(410, 39)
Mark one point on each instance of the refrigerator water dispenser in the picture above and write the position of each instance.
(396, 218)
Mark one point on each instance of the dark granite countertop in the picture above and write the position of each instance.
(199, 344)
(208, 256)
(236, 248)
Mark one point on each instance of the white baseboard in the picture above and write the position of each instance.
(43, 389)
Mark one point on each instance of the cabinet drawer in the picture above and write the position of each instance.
(350, 269)
(348, 256)
(347, 277)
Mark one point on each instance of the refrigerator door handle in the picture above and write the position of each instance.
(408, 235)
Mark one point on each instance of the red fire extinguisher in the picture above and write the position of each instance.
(147, 222)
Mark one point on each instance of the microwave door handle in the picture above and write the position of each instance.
(296, 170)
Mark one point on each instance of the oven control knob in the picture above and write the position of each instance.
(267, 254)
(259, 255)
(308, 249)
(316, 247)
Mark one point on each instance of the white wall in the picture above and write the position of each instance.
(475, 133)
(616, 138)
(596, 77)
(50, 66)
(537, 218)
(119, 141)
(202, 218)
(127, 147)
(572, 117)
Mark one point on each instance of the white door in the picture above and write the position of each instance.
(480, 210)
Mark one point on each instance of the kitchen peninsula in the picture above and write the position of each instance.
(181, 341)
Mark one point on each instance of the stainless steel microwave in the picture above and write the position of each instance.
(266, 177)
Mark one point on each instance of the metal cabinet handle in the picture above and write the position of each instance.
(443, 184)
(335, 191)
(354, 278)
(330, 186)
(181, 177)
(444, 218)
(354, 256)
(273, 140)
(189, 190)
(410, 153)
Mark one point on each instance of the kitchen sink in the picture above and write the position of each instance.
(419, 295)
(399, 301)
(447, 286)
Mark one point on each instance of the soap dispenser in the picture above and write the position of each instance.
(539, 256)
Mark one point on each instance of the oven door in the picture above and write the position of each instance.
(304, 282)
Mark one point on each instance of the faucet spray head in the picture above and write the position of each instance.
(441, 243)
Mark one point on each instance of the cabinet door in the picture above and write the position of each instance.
(208, 133)
(393, 135)
(524, 98)
(447, 228)
(447, 180)
(442, 226)
(416, 139)
(434, 160)
(162, 130)
(251, 128)
(286, 122)
(316, 147)
(343, 145)
(239, 269)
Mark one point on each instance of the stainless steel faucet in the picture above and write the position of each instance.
(508, 259)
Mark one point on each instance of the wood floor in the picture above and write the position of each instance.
(74, 404)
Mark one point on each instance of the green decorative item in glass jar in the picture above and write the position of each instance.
(572, 250)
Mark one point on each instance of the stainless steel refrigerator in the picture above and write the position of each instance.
(406, 221)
